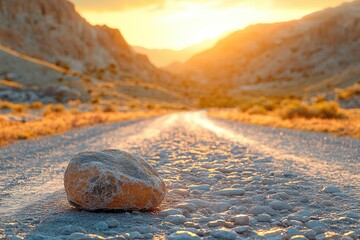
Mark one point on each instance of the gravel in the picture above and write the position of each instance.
(225, 180)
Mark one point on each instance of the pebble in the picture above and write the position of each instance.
(241, 219)
(311, 234)
(352, 215)
(183, 235)
(176, 219)
(69, 229)
(112, 222)
(204, 187)
(317, 226)
(331, 189)
(263, 209)
(217, 223)
(173, 211)
(101, 226)
(230, 192)
(280, 205)
(298, 237)
(135, 235)
(83, 236)
(224, 234)
(187, 206)
(263, 217)
(242, 229)
(293, 232)
(220, 207)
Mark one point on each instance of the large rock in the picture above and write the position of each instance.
(112, 180)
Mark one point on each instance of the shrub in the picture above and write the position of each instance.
(36, 105)
(349, 92)
(258, 109)
(109, 108)
(324, 110)
(295, 109)
(54, 109)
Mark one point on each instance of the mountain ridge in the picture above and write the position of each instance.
(313, 48)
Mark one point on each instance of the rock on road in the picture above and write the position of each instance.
(225, 180)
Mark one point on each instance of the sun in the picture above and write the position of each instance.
(180, 25)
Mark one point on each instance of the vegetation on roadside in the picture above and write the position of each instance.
(56, 118)
(320, 116)
(349, 92)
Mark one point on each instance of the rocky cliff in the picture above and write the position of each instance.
(53, 31)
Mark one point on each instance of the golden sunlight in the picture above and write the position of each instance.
(178, 24)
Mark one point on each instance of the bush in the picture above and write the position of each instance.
(349, 92)
(36, 105)
(295, 109)
(324, 110)
(258, 109)
(54, 109)
(109, 108)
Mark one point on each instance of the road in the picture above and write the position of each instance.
(198, 157)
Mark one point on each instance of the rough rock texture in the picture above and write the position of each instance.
(53, 31)
(112, 180)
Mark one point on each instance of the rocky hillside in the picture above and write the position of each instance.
(320, 50)
(55, 32)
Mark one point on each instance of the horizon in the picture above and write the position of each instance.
(175, 25)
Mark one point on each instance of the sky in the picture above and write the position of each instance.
(176, 24)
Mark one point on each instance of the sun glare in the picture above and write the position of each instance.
(179, 25)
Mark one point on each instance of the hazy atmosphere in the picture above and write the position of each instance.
(176, 24)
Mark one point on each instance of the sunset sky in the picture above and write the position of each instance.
(175, 24)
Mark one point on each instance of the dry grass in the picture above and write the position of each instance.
(57, 120)
(345, 126)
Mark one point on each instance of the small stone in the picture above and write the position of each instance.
(69, 229)
(168, 212)
(317, 226)
(241, 219)
(224, 234)
(220, 207)
(204, 187)
(298, 237)
(112, 222)
(293, 232)
(263, 217)
(101, 226)
(352, 235)
(175, 219)
(331, 189)
(183, 235)
(135, 235)
(112, 180)
(263, 209)
(352, 215)
(230, 192)
(311, 234)
(187, 206)
(216, 223)
(280, 205)
(242, 229)
(83, 236)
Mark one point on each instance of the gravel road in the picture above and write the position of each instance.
(225, 180)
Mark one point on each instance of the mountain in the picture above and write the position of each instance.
(321, 50)
(165, 57)
(55, 32)
(51, 35)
